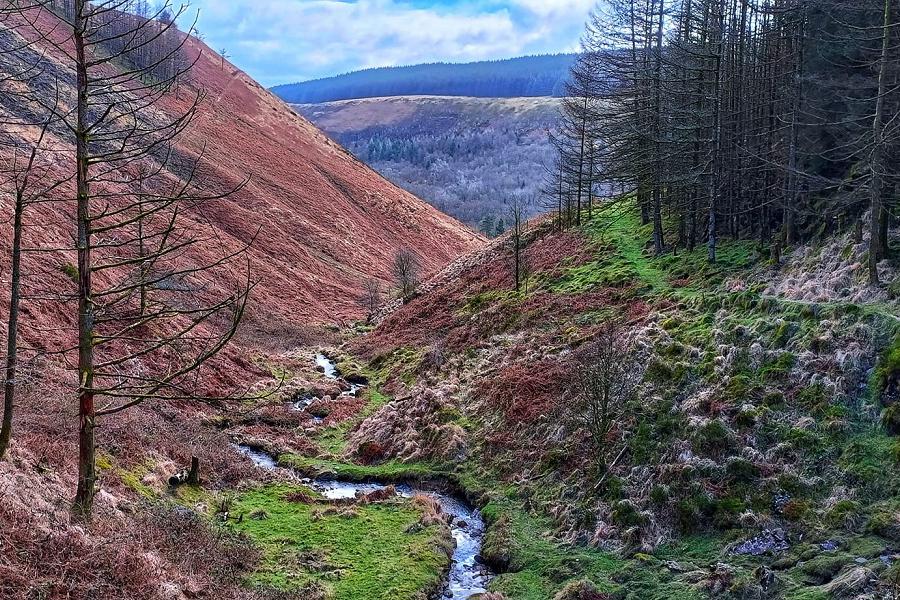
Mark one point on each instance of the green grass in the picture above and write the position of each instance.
(541, 566)
(333, 440)
(388, 471)
(363, 554)
(622, 259)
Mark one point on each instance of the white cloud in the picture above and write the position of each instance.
(278, 41)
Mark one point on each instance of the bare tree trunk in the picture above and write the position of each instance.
(87, 476)
(9, 386)
(877, 167)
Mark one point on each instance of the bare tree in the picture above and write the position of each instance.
(516, 212)
(371, 298)
(24, 178)
(605, 380)
(151, 311)
(406, 273)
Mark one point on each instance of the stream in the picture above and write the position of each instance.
(467, 575)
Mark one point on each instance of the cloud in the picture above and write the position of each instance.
(279, 41)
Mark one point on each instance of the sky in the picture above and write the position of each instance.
(285, 41)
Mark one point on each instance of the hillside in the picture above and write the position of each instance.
(754, 457)
(515, 77)
(323, 222)
(327, 220)
(465, 156)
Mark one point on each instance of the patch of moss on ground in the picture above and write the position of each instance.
(390, 471)
(540, 566)
(355, 553)
(132, 477)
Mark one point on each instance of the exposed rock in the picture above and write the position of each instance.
(768, 542)
(850, 583)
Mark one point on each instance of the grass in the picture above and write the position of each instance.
(623, 260)
(387, 472)
(363, 553)
(542, 566)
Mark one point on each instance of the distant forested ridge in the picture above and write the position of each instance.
(527, 76)
(470, 157)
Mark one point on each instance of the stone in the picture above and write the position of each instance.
(850, 583)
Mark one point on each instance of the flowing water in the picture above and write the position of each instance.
(467, 575)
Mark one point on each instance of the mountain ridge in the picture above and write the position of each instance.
(525, 76)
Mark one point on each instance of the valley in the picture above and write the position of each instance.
(715, 484)
(641, 342)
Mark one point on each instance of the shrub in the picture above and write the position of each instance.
(741, 470)
(713, 436)
(727, 512)
(626, 514)
(659, 494)
(580, 590)
(795, 510)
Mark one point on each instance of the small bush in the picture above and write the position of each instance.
(741, 470)
(659, 494)
(713, 436)
(626, 514)
(727, 512)
(795, 510)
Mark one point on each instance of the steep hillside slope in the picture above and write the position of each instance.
(323, 223)
(466, 156)
(748, 449)
(326, 221)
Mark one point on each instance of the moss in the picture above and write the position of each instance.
(887, 372)
(843, 513)
(868, 463)
(389, 471)
(497, 546)
(780, 368)
(132, 478)
(822, 569)
(660, 371)
(365, 553)
(890, 419)
(714, 436)
(885, 521)
(783, 334)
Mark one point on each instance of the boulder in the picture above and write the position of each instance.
(850, 583)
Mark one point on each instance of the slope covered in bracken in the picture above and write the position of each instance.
(321, 224)
(323, 221)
